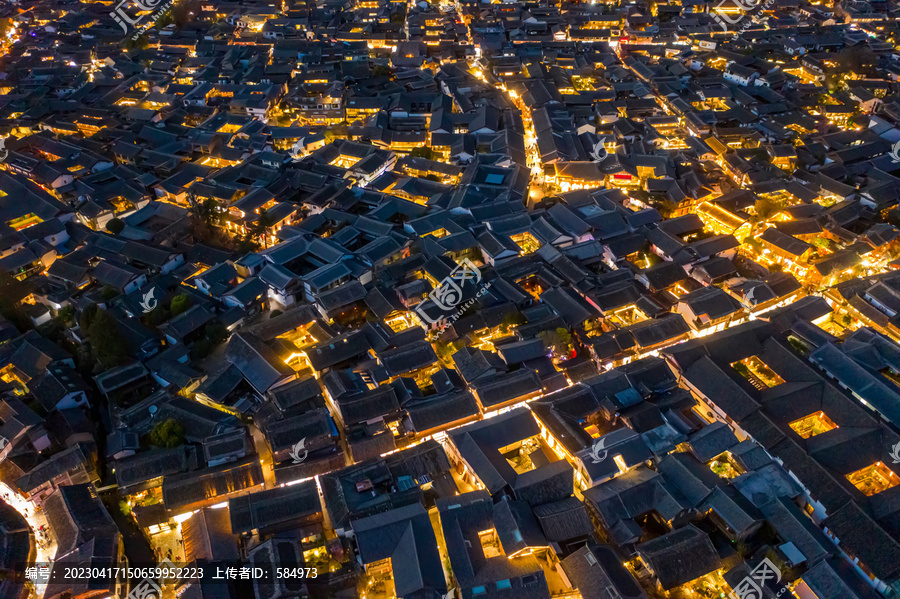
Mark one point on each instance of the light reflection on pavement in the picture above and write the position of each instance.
(46, 547)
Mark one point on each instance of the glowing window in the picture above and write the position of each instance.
(812, 425)
(593, 431)
(874, 479)
(23, 222)
(490, 543)
(757, 372)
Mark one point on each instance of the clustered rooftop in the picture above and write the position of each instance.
(482, 300)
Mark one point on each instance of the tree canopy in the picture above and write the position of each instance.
(5, 25)
(423, 152)
(512, 319)
(180, 303)
(106, 339)
(168, 433)
(115, 226)
(558, 340)
(11, 292)
(766, 209)
(108, 292)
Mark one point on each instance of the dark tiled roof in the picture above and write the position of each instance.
(76, 515)
(208, 536)
(406, 536)
(564, 519)
(712, 440)
(274, 507)
(156, 463)
(679, 556)
(256, 361)
(441, 410)
(869, 542)
(597, 573)
(183, 490)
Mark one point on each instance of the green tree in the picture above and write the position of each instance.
(87, 317)
(139, 43)
(115, 226)
(247, 244)
(512, 319)
(666, 207)
(84, 359)
(12, 291)
(259, 229)
(66, 315)
(765, 209)
(742, 370)
(858, 58)
(423, 152)
(216, 332)
(158, 316)
(558, 340)
(180, 303)
(5, 25)
(207, 211)
(798, 345)
(108, 292)
(182, 14)
(165, 20)
(893, 217)
(381, 70)
(446, 350)
(753, 244)
(213, 334)
(168, 433)
(201, 348)
(106, 340)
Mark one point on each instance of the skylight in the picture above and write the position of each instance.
(757, 372)
(812, 425)
(874, 479)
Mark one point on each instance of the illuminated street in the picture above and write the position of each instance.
(44, 541)
(398, 299)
